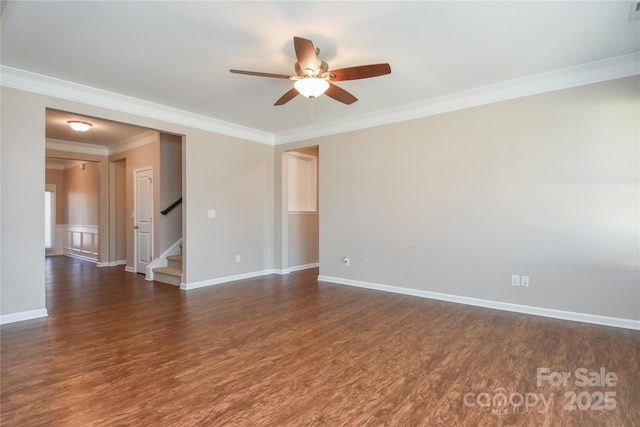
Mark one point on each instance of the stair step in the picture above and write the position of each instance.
(169, 275)
(169, 271)
(175, 261)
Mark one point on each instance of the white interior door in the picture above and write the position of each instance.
(143, 218)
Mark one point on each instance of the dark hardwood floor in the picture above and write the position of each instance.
(117, 350)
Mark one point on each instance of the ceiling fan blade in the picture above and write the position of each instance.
(306, 54)
(360, 72)
(292, 93)
(257, 73)
(340, 94)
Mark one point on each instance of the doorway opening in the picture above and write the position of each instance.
(302, 216)
(72, 205)
(115, 149)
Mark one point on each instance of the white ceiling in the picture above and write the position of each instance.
(103, 132)
(179, 54)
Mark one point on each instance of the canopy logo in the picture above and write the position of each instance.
(501, 402)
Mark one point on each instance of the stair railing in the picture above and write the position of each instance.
(172, 207)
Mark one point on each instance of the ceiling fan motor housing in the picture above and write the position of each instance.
(321, 68)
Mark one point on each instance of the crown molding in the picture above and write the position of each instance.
(53, 165)
(135, 141)
(49, 86)
(76, 147)
(73, 164)
(593, 72)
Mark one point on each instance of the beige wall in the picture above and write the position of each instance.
(234, 178)
(81, 193)
(545, 186)
(22, 168)
(303, 239)
(77, 193)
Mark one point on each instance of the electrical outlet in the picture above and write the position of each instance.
(237, 258)
(347, 261)
(515, 280)
(525, 281)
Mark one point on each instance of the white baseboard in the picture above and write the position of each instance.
(23, 315)
(296, 268)
(496, 305)
(82, 257)
(129, 269)
(303, 267)
(221, 280)
(112, 263)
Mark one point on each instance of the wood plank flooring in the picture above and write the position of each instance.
(289, 351)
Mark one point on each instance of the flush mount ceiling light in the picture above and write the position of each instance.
(311, 87)
(79, 126)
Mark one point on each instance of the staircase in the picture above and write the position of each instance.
(172, 274)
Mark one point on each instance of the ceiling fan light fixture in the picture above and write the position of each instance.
(79, 126)
(311, 87)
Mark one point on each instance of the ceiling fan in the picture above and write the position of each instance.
(313, 77)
